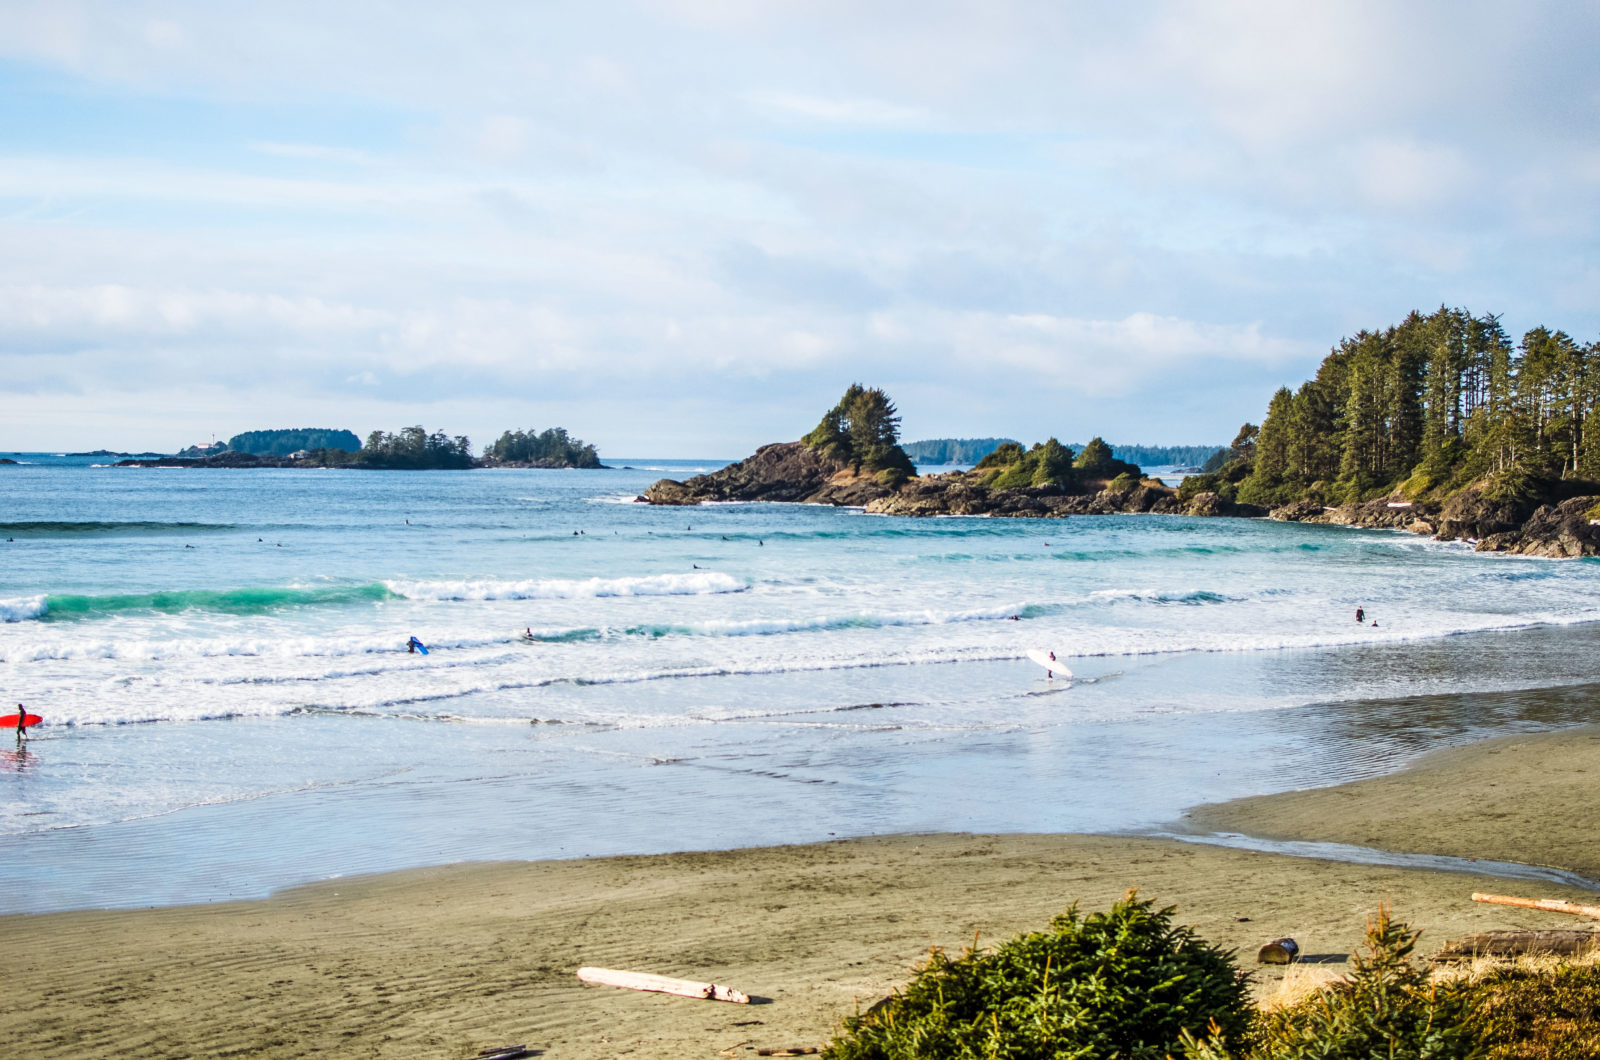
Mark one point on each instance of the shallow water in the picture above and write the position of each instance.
(218, 656)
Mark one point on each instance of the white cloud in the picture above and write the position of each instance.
(844, 111)
(708, 199)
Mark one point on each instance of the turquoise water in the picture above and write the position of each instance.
(229, 708)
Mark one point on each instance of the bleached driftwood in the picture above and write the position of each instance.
(1559, 942)
(1550, 905)
(661, 984)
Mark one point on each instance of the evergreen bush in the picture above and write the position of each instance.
(1125, 983)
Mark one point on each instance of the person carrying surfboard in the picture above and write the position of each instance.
(22, 721)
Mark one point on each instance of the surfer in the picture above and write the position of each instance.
(412, 645)
(1361, 614)
(22, 725)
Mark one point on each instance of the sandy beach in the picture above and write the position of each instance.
(447, 962)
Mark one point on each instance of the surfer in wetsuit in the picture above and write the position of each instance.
(412, 645)
(1361, 613)
(22, 728)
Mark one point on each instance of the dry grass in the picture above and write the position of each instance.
(1300, 981)
(1523, 1008)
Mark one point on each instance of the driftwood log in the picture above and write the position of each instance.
(1551, 905)
(1563, 942)
(660, 984)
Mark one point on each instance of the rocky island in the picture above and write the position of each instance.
(853, 459)
(1437, 426)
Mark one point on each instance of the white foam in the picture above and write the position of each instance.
(703, 583)
(22, 608)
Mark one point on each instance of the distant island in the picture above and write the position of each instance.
(953, 450)
(284, 442)
(971, 450)
(409, 449)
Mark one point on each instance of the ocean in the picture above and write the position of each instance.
(219, 657)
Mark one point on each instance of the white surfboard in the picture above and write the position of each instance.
(1055, 666)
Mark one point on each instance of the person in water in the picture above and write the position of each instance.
(412, 645)
(1361, 613)
(22, 731)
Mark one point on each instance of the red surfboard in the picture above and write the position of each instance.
(9, 721)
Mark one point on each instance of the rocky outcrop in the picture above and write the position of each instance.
(1556, 531)
(792, 471)
(1471, 515)
(226, 459)
(1214, 504)
(783, 471)
(1297, 512)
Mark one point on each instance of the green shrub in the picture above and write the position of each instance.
(1537, 1010)
(1384, 1008)
(1125, 983)
(1195, 484)
(1124, 483)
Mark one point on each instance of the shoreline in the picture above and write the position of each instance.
(450, 960)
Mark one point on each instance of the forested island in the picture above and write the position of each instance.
(1438, 425)
(853, 457)
(293, 440)
(971, 450)
(409, 449)
(953, 450)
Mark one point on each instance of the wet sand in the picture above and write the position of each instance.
(446, 962)
(1524, 798)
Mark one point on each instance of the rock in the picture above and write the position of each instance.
(1554, 531)
(783, 471)
(1393, 512)
(1296, 512)
(1214, 504)
(1469, 514)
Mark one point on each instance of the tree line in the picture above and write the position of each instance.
(1429, 406)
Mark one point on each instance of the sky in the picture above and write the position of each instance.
(683, 227)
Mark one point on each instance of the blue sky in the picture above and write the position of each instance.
(684, 227)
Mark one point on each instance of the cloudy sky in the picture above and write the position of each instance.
(682, 227)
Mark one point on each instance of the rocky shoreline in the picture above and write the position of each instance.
(793, 472)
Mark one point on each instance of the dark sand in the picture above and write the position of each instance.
(446, 962)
